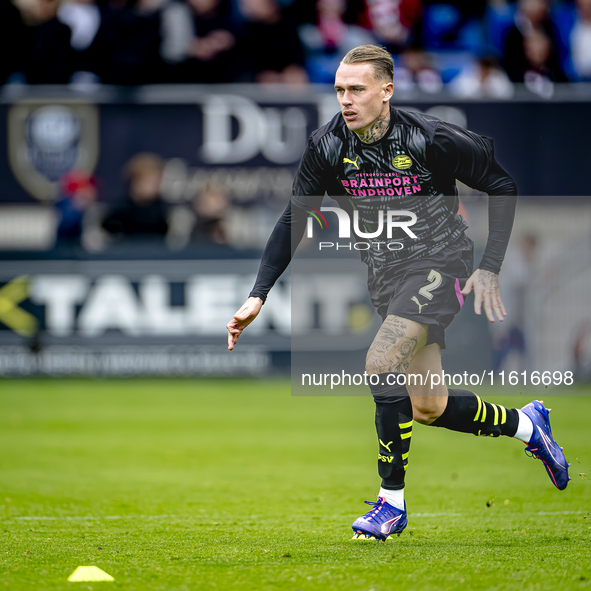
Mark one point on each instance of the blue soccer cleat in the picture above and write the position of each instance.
(543, 446)
(381, 521)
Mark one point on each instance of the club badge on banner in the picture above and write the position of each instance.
(46, 139)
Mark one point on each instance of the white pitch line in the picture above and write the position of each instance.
(149, 517)
(435, 514)
(562, 512)
(89, 517)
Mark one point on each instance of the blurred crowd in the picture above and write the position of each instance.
(477, 47)
(140, 215)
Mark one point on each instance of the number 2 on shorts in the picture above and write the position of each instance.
(434, 282)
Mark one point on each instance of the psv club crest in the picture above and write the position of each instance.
(47, 139)
(402, 162)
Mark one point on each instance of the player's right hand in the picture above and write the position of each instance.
(247, 313)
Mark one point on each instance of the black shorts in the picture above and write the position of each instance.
(426, 290)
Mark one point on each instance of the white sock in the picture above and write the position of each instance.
(525, 428)
(393, 497)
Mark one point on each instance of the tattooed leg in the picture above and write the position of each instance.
(395, 345)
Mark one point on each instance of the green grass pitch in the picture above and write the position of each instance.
(234, 484)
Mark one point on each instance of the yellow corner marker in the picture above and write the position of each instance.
(89, 573)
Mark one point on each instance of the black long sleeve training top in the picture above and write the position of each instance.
(413, 167)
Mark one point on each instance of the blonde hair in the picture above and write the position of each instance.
(378, 57)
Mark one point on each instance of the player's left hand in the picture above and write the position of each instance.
(486, 291)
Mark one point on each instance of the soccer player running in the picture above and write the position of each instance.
(371, 158)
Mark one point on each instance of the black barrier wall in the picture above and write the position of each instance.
(251, 141)
(150, 316)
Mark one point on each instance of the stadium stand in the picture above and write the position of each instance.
(201, 41)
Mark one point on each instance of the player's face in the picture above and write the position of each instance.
(361, 96)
